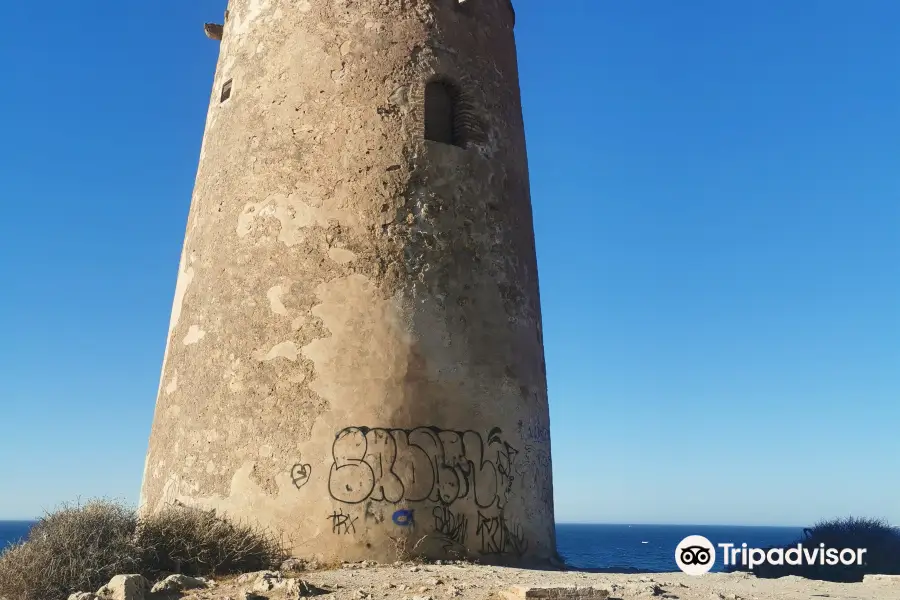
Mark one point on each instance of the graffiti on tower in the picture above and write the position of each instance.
(422, 464)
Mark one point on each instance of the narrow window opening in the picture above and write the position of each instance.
(226, 91)
(440, 114)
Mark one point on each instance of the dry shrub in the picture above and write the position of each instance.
(199, 543)
(74, 548)
(80, 548)
(878, 537)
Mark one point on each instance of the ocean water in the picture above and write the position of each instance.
(12, 532)
(645, 548)
(651, 548)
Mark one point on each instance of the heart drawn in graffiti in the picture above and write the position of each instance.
(300, 475)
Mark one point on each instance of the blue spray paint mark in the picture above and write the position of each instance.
(403, 518)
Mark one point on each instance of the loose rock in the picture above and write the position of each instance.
(298, 588)
(178, 583)
(267, 581)
(646, 588)
(247, 577)
(125, 587)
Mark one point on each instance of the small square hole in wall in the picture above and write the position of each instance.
(226, 91)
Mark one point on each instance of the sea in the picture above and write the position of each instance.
(651, 548)
(13, 531)
(613, 548)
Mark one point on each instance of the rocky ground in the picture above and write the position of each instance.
(474, 582)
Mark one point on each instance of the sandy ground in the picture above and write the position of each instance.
(472, 582)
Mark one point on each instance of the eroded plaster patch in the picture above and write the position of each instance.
(341, 255)
(368, 345)
(235, 375)
(274, 295)
(293, 214)
(175, 489)
(194, 335)
(286, 350)
(173, 385)
(245, 496)
(185, 278)
(142, 499)
(255, 9)
(309, 206)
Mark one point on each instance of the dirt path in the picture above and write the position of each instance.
(472, 582)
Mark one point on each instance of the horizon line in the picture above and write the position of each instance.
(644, 524)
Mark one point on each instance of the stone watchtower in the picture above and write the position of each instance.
(355, 356)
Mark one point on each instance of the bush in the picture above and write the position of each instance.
(80, 548)
(198, 543)
(75, 548)
(880, 539)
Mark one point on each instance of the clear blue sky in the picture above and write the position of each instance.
(716, 190)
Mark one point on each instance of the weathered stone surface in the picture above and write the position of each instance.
(82, 596)
(357, 315)
(268, 581)
(125, 587)
(298, 588)
(882, 578)
(245, 577)
(568, 592)
(645, 587)
(178, 583)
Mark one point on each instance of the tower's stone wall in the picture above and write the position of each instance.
(355, 355)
